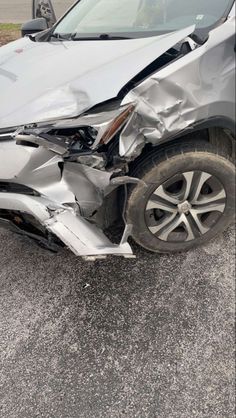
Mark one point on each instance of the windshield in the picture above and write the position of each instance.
(143, 17)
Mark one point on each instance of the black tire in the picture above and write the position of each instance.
(160, 166)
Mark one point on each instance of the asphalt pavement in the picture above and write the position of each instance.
(19, 11)
(151, 337)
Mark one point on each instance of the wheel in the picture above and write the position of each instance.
(186, 197)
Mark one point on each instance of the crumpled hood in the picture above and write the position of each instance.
(41, 81)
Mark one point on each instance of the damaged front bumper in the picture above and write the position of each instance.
(62, 198)
(83, 238)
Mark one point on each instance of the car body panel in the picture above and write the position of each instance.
(48, 80)
(197, 87)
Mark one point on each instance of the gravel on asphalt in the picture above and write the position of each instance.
(151, 337)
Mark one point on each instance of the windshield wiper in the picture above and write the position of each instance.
(61, 37)
(101, 37)
(200, 40)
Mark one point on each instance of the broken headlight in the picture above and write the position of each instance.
(87, 132)
(98, 128)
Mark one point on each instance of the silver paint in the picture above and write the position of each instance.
(198, 86)
(54, 80)
(61, 197)
(194, 88)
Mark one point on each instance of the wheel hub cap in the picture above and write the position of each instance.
(185, 207)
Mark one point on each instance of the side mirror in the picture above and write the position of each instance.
(34, 26)
(44, 8)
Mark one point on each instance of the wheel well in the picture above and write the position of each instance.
(223, 139)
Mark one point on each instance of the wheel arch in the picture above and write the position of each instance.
(220, 132)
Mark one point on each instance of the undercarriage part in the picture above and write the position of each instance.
(7, 187)
(37, 207)
(45, 242)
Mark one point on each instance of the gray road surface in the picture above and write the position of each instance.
(151, 338)
(15, 11)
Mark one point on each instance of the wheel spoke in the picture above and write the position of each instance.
(166, 196)
(195, 212)
(167, 220)
(188, 228)
(179, 220)
(216, 207)
(170, 228)
(156, 204)
(213, 197)
(202, 228)
(188, 184)
(198, 186)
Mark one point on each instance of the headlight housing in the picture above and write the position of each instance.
(90, 130)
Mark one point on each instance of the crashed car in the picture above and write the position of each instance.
(117, 122)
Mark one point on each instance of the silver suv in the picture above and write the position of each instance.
(120, 114)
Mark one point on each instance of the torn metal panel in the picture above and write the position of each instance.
(62, 194)
(85, 239)
(87, 184)
(60, 191)
(38, 207)
(53, 144)
(39, 169)
(197, 87)
(82, 237)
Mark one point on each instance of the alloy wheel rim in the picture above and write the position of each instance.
(185, 207)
